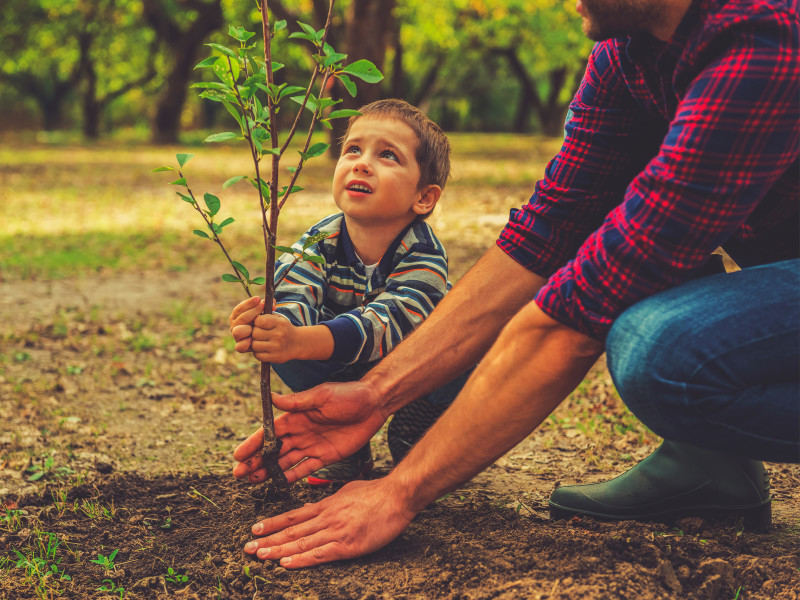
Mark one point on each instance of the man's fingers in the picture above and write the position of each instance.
(280, 522)
(321, 554)
(251, 446)
(295, 402)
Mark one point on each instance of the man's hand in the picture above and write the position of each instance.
(319, 427)
(340, 526)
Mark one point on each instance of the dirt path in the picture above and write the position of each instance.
(124, 394)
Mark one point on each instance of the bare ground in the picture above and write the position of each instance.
(123, 395)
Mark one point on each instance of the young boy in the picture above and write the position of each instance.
(384, 271)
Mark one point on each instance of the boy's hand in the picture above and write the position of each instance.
(276, 340)
(241, 321)
(272, 338)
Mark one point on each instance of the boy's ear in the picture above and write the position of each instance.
(428, 197)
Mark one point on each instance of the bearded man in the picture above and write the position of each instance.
(682, 138)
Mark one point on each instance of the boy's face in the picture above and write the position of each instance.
(375, 181)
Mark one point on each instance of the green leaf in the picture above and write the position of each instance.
(181, 181)
(239, 33)
(227, 222)
(279, 26)
(233, 180)
(364, 70)
(201, 234)
(211, 85)
(344, 112)
(314, 259)
(186, 198)
(348, 85)
(223, 49)
(212, 202)
(307, 28)
(222, 137)
(302, 36)
(286, 249)
(156, 170)
(292, 89)
(314, 239)
(295, 189)
(216, 228)
(183, 158)
(36, 476)
(333, 59)
(317, 149)
(234, 113)
(240, 267)
(223, 71)
(276, 66)
(206, 62)
(311, 103)
(231, 278)
(259, 281)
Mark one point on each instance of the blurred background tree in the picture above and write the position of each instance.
(102, 66)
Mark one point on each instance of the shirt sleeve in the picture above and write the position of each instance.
(733, 135)
(300, 294)
(606, 139)
(412, 291)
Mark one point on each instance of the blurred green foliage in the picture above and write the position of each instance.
(473, 65)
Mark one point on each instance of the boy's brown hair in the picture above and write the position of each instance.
(433, 147)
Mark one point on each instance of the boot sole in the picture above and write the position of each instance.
(753, 518)
(320, 483)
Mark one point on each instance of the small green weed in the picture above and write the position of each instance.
(95, 510)
(41, 565)
(45, 468)
(12, 519)
(175, 578)
(111, 587)
(107, 562)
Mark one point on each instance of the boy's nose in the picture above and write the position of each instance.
(362, 166)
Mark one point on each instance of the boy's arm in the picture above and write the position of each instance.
(413, 290)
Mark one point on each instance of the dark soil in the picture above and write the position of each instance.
(138, 413)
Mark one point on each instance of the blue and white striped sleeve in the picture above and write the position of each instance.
(300, 295)
(412, 291)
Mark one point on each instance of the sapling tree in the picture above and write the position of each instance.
(246, 87)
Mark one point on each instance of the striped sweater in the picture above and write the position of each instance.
(366, 318)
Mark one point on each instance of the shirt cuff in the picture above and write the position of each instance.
(347, 340)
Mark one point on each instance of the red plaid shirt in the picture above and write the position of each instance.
(672, 149)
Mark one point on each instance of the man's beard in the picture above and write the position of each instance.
(616, 18)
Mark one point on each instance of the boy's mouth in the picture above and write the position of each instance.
(359, 187)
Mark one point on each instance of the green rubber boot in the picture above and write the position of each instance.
(675, 481)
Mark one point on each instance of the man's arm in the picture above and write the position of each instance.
(531, 367)
(323, 424)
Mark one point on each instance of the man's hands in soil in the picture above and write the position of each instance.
(360, 518)
(320, 427)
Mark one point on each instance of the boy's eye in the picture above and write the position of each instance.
(352, 149)
(389, 154)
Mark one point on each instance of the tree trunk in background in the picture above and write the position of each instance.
(549, 112)
(184, 46)
(370, 29)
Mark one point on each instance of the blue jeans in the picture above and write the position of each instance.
(715, 362)
(301, 375)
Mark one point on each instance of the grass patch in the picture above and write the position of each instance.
(89, 209)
